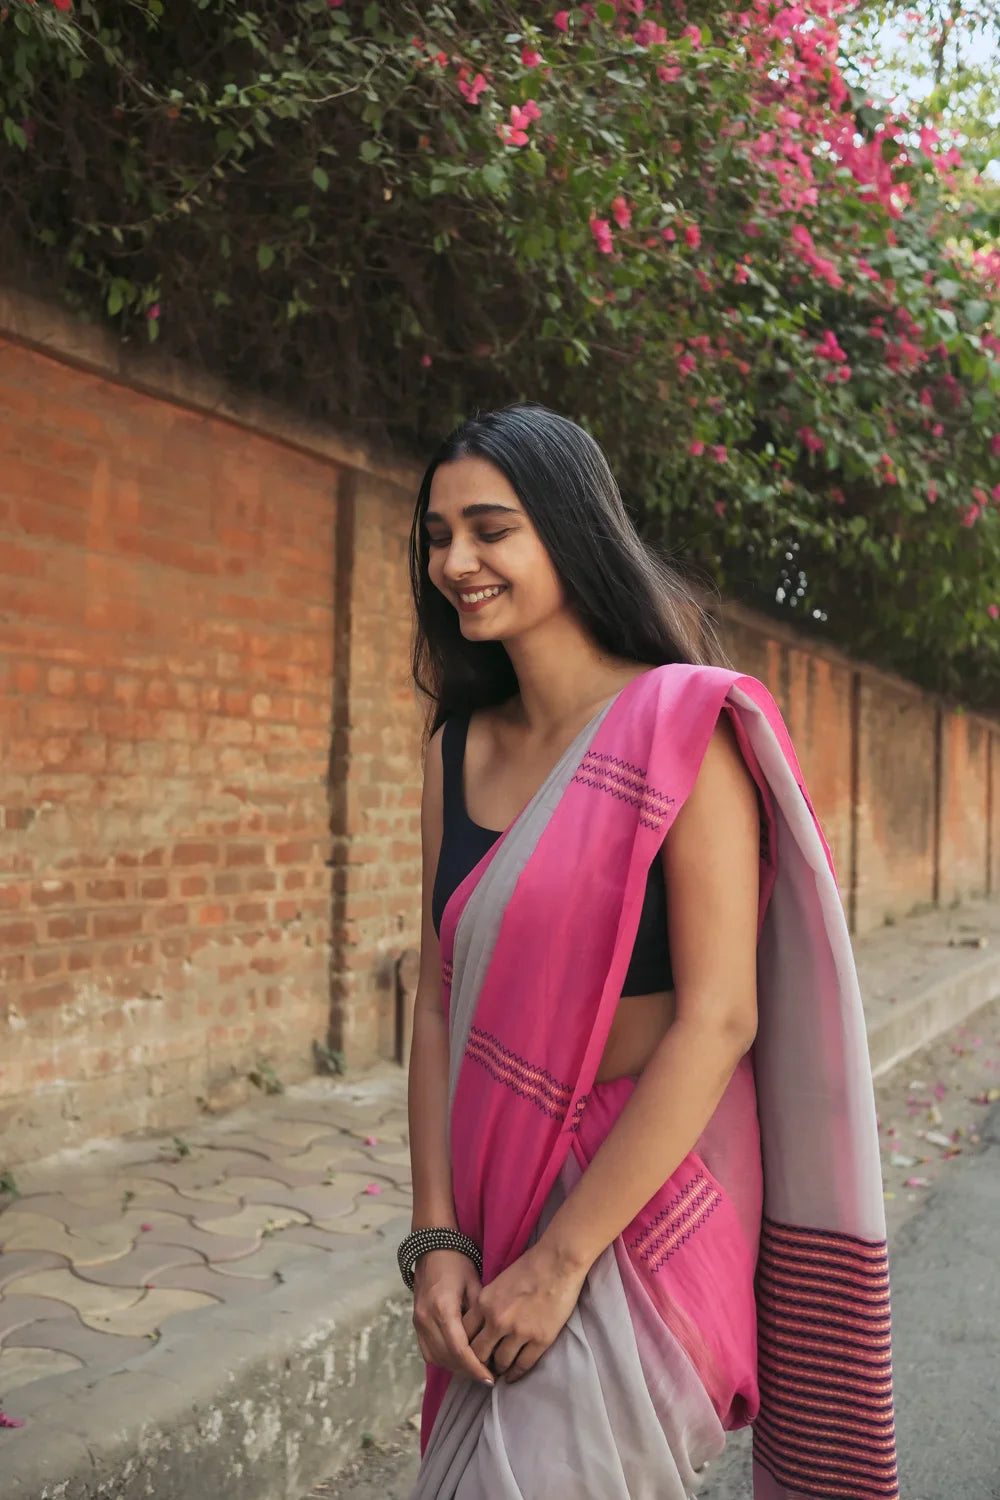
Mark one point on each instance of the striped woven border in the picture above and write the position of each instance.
(621, 779)
(521, 1077)
(825, 1426)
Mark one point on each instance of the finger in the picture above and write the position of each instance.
(506, 1353)
(485, 1342)
(473, 1323)
(525, 1361)
(466, 1361)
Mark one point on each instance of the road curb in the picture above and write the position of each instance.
(931, 1009)
(258, 1400)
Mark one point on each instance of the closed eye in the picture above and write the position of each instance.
(484, 536)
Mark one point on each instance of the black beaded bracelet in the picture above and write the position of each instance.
(423, 1241)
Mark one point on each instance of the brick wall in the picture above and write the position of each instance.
(181, 633)
(902, 782)
(210, 746)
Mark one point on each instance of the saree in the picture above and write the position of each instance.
(753, 1287)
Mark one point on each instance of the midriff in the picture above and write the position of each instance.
(640, 1024)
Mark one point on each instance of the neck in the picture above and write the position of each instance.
(563, 676)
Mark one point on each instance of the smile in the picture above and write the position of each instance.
(476, 598)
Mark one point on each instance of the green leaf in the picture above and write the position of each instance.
(370, 151)
(320, 179)
(265, 256)
(14, 134)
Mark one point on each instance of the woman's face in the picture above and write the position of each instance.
(485, 555)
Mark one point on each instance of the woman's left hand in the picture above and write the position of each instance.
(515, 1319)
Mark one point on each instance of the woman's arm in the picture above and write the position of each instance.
(446, 1281)
(711, 859)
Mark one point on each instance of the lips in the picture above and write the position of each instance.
(477, 599)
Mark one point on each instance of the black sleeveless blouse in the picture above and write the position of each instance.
(464, 843)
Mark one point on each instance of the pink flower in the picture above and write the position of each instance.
(719, 453)
(621, 213)
(971, 516)
(692, 236)
(425, 361)
(995, 493)
(668, 73)
(741, 275)
(63, 4)
(145, 1228)
(561, 20)
(152, 313)
(693, 35)
(334, 4)
(837, 495)
(994, 612)
(6, 1421)
(810, 439)
(530, 58)
(719, 507)
(687, 364)
(669, 235)
(995, 444)
(371, 1140)
(601, 230)
(471, 91)
(697, 448)
(932, 493)
(373, 1189)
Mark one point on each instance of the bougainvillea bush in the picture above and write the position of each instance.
(687, 227)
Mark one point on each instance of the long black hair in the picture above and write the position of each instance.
(631, 602)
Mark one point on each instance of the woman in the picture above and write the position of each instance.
(647, 1199)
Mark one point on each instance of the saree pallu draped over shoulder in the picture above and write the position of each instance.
(754, 1286)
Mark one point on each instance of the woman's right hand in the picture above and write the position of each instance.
(445, 1287)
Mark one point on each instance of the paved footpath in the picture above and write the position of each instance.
(220, 1315)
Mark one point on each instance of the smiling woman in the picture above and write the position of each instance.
(645, 1162)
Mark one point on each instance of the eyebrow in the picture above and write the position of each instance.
(469, 511)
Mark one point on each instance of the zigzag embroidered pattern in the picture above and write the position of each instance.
(578, 1109)
(533, 1084)
(825, 1426)
(621, 779)
(677, 1222)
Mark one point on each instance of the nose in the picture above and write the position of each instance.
(461, 561)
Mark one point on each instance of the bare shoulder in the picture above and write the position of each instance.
(724, 782)
(433, 795)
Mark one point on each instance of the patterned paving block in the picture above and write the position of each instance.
(22, 1308)
(248, 1144)
(70, 1336)
(254, 1218)
(204, 1171)
(322, 1157)
(64, 1210)
(380, 1170)
(139, 1268)
(149, 1314)
(370, 1213)
(293, 1134)
(387, 1132)
(217, 1283)
(19, 1262)
(214, 1247)
(316, 1201)
(20, 1367)
(324, 1239)
(274, 1255)
(87, 1298)
(36, 1232)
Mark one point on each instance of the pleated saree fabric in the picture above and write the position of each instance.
(754, 1286)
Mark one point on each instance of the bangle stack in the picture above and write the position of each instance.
(423, 1241)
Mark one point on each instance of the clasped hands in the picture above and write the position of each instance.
(502, 1329)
